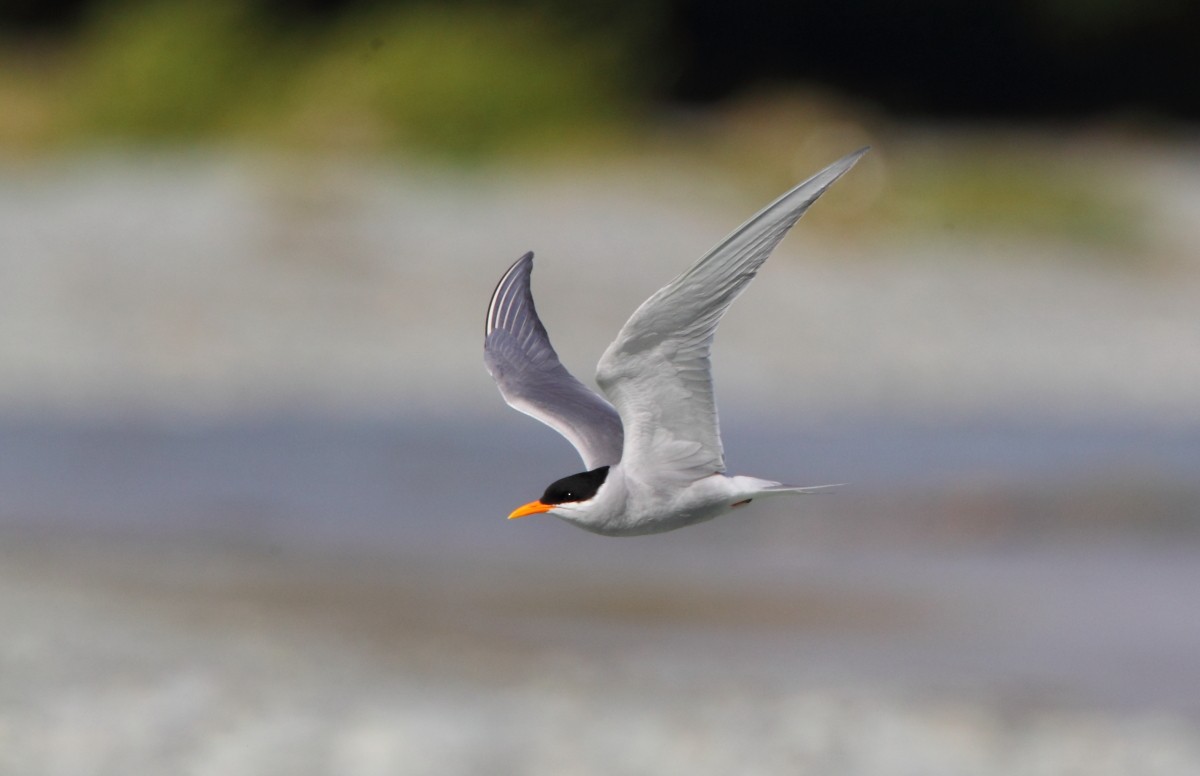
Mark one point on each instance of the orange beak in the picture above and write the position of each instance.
(532, 508)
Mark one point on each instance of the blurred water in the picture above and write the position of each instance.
(933, 585)
(435, 480)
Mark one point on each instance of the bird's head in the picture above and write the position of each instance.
(567, 497)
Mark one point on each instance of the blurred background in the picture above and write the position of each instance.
(253, 475)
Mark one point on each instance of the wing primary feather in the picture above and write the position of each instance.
(657, 371)
(526, 368)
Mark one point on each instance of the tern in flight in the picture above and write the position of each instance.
(652, 449)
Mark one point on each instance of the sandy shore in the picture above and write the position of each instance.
(216, 285)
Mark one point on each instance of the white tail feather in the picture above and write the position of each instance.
(781, 488)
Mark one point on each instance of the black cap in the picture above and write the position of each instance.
(576, 488)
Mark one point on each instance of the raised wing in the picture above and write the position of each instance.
(518, 354)
(657, 371)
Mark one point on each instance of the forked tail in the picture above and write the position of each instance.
(754, 486)
(781, 488)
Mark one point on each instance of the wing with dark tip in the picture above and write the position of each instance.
(518, 353)
(657, 371)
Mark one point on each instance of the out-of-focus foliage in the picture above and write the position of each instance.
(986, 58)
(917, 178)
(1077, 19)
(460, 81)
(464, 83)
(1015, 191)
(468, 82)
(166, 70)
(997, 59)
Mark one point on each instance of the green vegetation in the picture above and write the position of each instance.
(164, 71)
(991, 188)
(468, 83)
(465, 84)
(458, 81)
(924, 180)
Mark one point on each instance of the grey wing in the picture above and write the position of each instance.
(657, 371)
(518, 354)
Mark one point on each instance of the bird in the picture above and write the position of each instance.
(651, 445)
